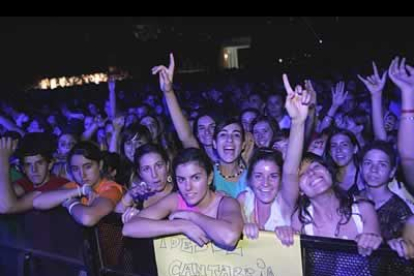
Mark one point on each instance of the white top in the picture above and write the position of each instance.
(356, 216)
(276, 217)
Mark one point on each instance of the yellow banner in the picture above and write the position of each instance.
(266, 256)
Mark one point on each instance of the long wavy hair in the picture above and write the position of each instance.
(345, 200)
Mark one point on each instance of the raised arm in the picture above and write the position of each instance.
(338, 98)
(98, 122)
(375, 85)
(112, 98)
(9, 202)
(88, 133)
(181, 124)
(114, 144)
(297, 106)
(405, 82)
(311, 119)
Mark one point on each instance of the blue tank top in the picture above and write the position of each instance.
(232, 189)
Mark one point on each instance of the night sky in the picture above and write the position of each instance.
(36, 47)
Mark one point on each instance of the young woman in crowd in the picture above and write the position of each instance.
(271, 196)
(195, 210)
(153, 170)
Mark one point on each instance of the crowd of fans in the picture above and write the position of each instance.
(217, 159)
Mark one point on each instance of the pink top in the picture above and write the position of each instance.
(210, 211)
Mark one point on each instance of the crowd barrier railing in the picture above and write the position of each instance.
(51, 243)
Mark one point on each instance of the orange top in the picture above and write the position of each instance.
(106, 189)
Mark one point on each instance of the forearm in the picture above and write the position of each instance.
(405, 134)
(23, 204)
(407, 100)
(140, 227)
(328, 119)
(408, 232)
(114, 143)
(310, 126)
(369, 218)
(7, 196)
(220, 231)
(112, 104)
(406, 129)
(181, 124)
(295, 148)
(89, 215)
(49, 200)
(290, 185)
(378, 118)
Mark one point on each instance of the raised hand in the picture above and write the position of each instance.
(7, 147)
(312, 92)
(339, 94)
(297, 101)
(140, 190)
(166, 75)
(374, 83)
(402, 75)
(100, 121)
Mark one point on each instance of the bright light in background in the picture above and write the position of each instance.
(320, 41)
(96, 78)
(226, 56)
(280, 60)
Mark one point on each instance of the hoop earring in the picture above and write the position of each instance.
(169, 179)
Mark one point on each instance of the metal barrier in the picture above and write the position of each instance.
(323, 256)
(43, 243)
(52, 243)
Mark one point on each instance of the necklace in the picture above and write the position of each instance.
(239, 172)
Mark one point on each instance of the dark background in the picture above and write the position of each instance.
(35, 47)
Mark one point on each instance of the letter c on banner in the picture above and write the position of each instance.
(174, 268)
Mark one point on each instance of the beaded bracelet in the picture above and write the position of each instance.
(410, 118)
